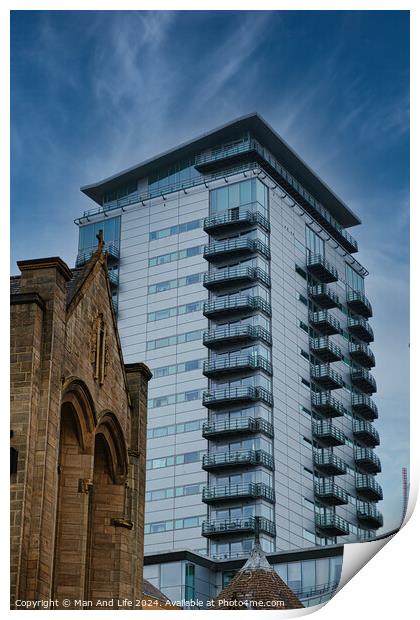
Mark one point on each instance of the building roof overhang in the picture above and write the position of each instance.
(262, 132)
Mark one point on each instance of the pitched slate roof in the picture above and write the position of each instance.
(257, 586)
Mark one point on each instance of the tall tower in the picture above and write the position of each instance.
(235, 280)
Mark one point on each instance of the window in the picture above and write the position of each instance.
(237, 195)
(167, 313)
(110, 229)
(189, 581)
(314, 243)
(354, 280)
(175, 230)
(174, 256)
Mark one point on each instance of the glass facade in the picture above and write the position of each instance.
(111, 229)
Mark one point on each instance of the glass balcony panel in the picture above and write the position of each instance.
(363, 380)
(237, 304)
(220, 250)
(369, 515)
(367, 487)
(321, 269)
(359, 303)
(331, 524)
(362, 354)
(323, 296)
(330, 493)
(329, 463)
(366, 432)
(328, 433)
(227, 493)
(325, 349)
(364, 406)
(237, 426)
(236, 219)
(227, 364)
(327, 405)
(367, 460)
(326, 377)
(361, 329)
(217, 279)
(219, 336)
(325, 322)
(216, 398)
(237, 458)
(220, 527)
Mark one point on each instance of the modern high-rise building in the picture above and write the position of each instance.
(235, 280)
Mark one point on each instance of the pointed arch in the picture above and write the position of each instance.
(77, 398)
(112, 434)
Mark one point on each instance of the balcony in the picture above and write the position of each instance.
(112, 251)
(369, 515)
(220, 527)
(363, 380)
(236, 219)
(233, 492)
(327, 405)
(236, 304)
(361, 329)
(232, 248)
(323, 296)
(367, 487)
(237, 458)
(220, 336)
(367, 460)
(325, 349)
(330, 493)
(362, 354)
(217, 279)
(364, 406)
(113, 279)
(329, 463)
(214, 429)
(328, 433)
(321, 269)
(325, 322)
(331, 524)
(359, 303)
(224, 396)
(366, 432)
(225, 364)
(326, 377)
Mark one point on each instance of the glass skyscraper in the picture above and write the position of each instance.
(235, 279)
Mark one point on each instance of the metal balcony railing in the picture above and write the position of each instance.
(362, 354)
(325, 349)
(363, 380)
(328, 433)
(112, 251)
(218, 278)
(237, 458)
(219, 527)
(321, 269)
(332, 524)
(218, 397)
(235, 304)
(361, 329)
(369, 515)
(328, 405)
(364, 406)
(113, 278)
(366, 432)
(227, 493)
(359, 303)
(330, 492)
(236, 218)
(325, 322)
(237, 246)
(235, 333)
(325, 376)
(368, 460)
(329, 463)
(230, 363)
(324, 296)
(368, 487)
(237, 426)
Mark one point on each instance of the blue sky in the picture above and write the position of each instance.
(95, 92)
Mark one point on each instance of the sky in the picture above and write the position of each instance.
(95, 92)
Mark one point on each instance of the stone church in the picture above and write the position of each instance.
(78, 440)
